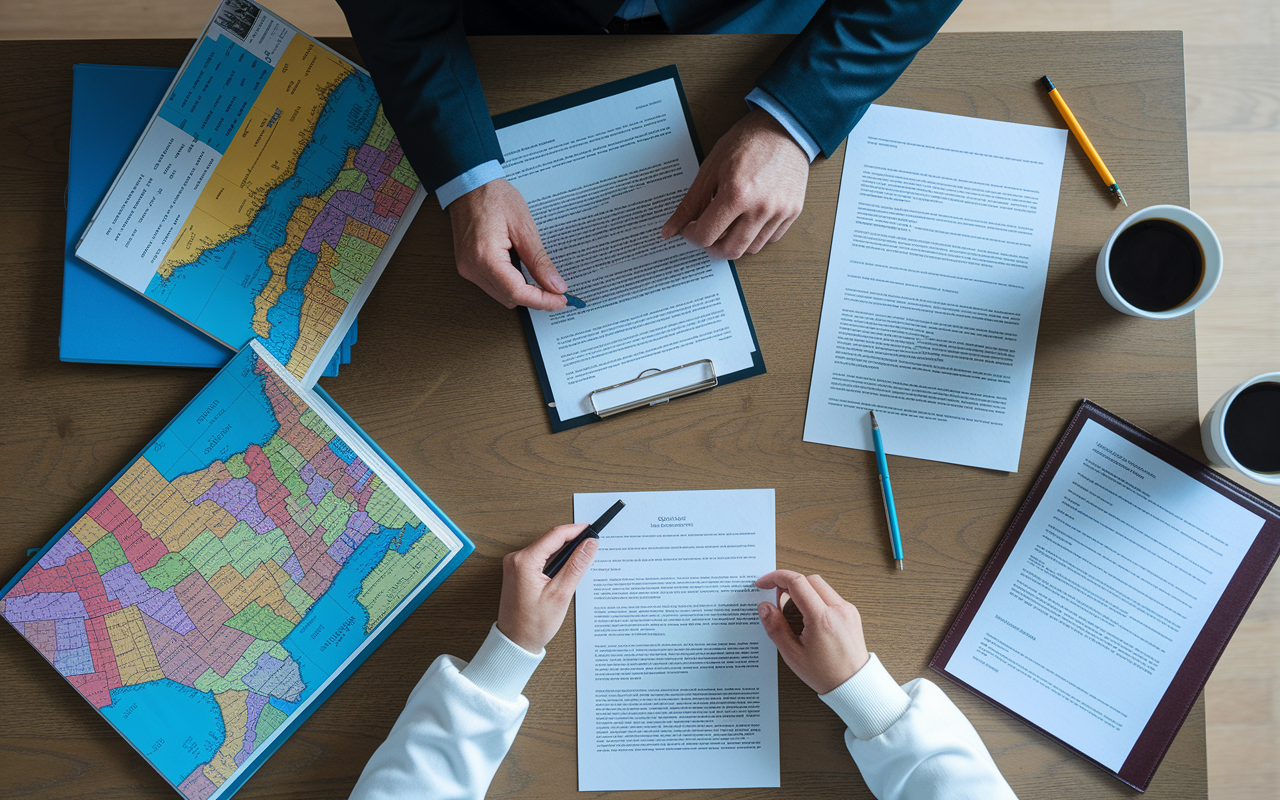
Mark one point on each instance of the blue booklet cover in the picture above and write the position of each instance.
(103, 321)
(233, 575)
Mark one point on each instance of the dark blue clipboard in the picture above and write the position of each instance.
(576, 99)
(300, 716)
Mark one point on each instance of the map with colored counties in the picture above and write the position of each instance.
(211, 590)
(265, 197)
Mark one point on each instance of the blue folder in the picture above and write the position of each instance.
(103, 321)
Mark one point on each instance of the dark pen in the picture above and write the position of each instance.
(557, 561)
(573, 302)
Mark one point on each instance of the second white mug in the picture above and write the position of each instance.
(1259, 432)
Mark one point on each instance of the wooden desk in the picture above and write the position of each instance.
(442, 379)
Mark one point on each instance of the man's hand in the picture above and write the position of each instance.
(748, 191)
(830, 649)
(533, 605)
(490, 222)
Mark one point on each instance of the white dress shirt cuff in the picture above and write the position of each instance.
(473, 178)
(761, 99)
(870, 702)
(501, 667)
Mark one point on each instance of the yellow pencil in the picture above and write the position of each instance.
(1083, 139)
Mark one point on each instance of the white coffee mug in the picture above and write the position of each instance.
(1198, 228)
(1213, 432)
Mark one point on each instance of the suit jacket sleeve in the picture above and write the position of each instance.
(848, 55)
(421, 65)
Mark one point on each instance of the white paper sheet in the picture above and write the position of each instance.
(677, 680)
(1105, 592)
(601, 178)
(937, 274)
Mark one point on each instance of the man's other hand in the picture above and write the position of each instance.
(533, 605)
(748, 191)
(488, 223)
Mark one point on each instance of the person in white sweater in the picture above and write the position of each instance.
(910, 742)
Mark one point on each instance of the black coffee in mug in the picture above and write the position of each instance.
(1156, 264)
(1251, 427)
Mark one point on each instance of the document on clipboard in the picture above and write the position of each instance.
(602, 170)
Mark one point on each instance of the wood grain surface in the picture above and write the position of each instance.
(443, 380)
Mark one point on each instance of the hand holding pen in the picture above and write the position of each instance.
(539, 581)
(491, 222)
(533, 606)
(592, 531)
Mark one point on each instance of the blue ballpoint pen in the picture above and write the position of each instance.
(886, 491)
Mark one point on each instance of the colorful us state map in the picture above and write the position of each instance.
(215, 585)
(263, 195)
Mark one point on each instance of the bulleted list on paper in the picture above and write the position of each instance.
(937, 274)
(677, 680)
(600, 179)
(1109, 585)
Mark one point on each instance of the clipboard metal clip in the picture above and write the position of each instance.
(653, 387)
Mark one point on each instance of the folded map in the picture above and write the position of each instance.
(265, 196)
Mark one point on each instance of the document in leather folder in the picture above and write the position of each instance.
(1113, 593)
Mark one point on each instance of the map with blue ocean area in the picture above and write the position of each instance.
(215, 91)
(231, 571)
(222, 290)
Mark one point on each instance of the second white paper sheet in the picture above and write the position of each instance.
(937, 274)
(1108, 587)
(677, 680)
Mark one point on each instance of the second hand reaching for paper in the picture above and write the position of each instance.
(557, 561)
(886, 492)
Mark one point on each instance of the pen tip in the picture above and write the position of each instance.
(898, 561)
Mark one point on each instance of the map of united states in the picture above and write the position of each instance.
(228, 572)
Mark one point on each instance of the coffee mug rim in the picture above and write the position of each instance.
(1198, 228)
(1218, 418)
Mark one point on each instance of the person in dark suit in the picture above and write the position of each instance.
(749, 189)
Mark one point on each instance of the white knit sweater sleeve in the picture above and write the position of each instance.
(911, 742)
(456, 727)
